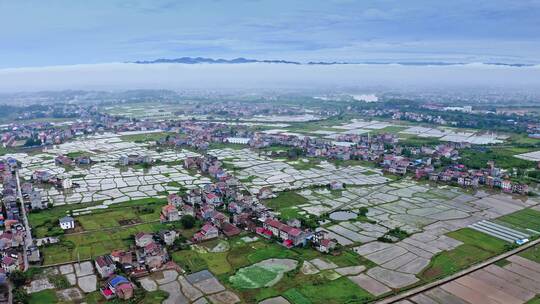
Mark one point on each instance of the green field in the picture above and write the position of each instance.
(141, 138)
(117, 215)
(532, 254)
(536, 300)
(285, 199)
(526, 218)
(101, 231)
(338, 291)
(243, 255)
(305, 164)
(476, 247)
(254, 276)
(90, 245)
(47, 296)
(503, 157)
(296, 297)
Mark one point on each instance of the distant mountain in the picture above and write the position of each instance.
(194, 60)
(240, 60)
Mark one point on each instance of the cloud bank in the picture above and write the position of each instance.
(122, 76)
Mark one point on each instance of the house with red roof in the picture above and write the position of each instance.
(9, 264)
(229, 229)
(142, 239)
(212, 198)
(169, 213)
(207, 232)
(105, 266)
(289, 235)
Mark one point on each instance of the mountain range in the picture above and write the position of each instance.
(241, 60)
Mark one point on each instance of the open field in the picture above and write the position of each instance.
(503, 157)
(145, 137)
(101, 231)
(121, 214)
(90, 245)
(476, 247)
(532, 254)
(285, 200)
(242, 255)
(524, 219)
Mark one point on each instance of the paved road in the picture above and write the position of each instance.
(28, 239)
(417, 290)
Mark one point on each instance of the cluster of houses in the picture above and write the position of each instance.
(491, 177)
(148, 255)
(199, 135)
(224, 209)
(13, 232)
(45, 177)
(63, 160)
(134, 159)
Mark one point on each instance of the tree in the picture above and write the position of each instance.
(18, 278)
(188, 221)
(363, 211)
(20, 296)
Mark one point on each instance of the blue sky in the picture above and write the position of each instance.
(44, 33)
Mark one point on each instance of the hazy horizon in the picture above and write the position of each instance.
(121, 76)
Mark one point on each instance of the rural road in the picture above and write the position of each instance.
(28, 241)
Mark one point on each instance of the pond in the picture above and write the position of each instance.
(342, 215)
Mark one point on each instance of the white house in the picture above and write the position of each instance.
(67, 223)
(67, 183)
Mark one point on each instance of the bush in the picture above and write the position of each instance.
(20, 296)
(18, 278)
(363, 211)
(59, 281)
(188, 221)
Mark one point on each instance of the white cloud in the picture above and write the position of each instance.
(258, 76)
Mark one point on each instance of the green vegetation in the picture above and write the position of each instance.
(285, 199)
(59, 281)
(535, 300)
(286, 203)
(152, 297)
(524, 219)
(389, 129)
(78, 154)
(146, 137)
(241, 254)
(532, 254)
(503, 157)
(248, 179)
(295, 297)
(188, 221)
(131, 212)
(305, 164)
(254, 276)
(338, 291)
(502, 263)
(47, 296)
(101, 231)
(415, 141)
(325, 124)
(476, 247)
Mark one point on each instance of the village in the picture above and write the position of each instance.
(145, 210)
(180, 194)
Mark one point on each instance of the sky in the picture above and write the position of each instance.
(36, 33)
